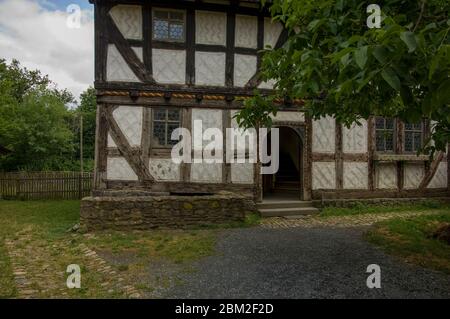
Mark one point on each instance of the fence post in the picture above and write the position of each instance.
(18, 191)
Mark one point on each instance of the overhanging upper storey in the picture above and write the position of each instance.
(192, 47)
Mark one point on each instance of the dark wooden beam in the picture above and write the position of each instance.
(132, 156)
(229, 66)
(432, 171)
(339, 159)
(130, 57)
(190, 49)
(256, 80)
(371, 143)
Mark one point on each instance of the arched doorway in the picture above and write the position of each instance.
(288, 181)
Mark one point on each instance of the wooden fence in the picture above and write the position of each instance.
(45, 185)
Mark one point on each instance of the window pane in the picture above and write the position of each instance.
(176, 15)
(174, 115)
(408, 126)
(389, 140)
(418, 126)
(417, 141)
(160, 29)
(164, 15)
(380, 141)
(390, 124)
(379, 123)
(409, 141)
(171, 127)
(176, 31)
(159, 132)
(159, 114)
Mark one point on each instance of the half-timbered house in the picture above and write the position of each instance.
(161, 65)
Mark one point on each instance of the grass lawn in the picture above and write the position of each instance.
(44, 248)
(361, 208)
(412, 240)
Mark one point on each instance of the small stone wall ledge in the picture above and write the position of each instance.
(170, 211)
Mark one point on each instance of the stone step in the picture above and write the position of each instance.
(284, 204)
(283, 212)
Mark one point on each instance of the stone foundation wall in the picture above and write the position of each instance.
(348, 203)
(149, 212)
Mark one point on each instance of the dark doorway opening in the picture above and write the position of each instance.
(288, 180)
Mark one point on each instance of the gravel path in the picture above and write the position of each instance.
(323, 262)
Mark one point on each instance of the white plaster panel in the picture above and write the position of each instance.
(169, 66)
(289, 117)
(324, 134)
(440, 178)
(128, 19)
(139, 53)
(211, 27)
(354, 139)
(244, 68)
(242, 173)
(111, 142)
(116, 67)
(386, 176)
(210, 119)
(246, 31)
(206, 173)
(272, 31)
(129, 119)
(324, 175)
(414, 174)
(269, 85)
(240, 140)
(119, 169)
(356, 175)
(164, 169)
(210, 68)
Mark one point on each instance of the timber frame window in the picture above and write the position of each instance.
(385, 129)
(169, 25)
(164, 122)
(414, 133)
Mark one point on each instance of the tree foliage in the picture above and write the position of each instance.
(347, 70)
(36, 123)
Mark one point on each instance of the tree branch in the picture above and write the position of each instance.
(422, 9)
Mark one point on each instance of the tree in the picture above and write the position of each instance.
(34, 120)
(87, 108)
(347, 70)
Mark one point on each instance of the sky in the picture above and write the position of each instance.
(36, 33)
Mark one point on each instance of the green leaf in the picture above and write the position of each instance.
(361, 56)
(391, 78)
(380, 53)
(410, 40)
(443, 93)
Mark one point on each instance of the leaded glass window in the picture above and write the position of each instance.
(168, 25)
(413, 136)
(385, 128)
(165, 121)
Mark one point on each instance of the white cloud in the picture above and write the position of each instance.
(40, 39)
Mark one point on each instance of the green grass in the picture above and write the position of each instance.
(47, 223)
(361, 208)
(411, 239)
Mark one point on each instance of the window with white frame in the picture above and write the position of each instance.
(168, 25)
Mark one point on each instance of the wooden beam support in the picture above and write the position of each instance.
(339, 159)
(371, 144)
(130, 57)
(432, 170)
(133, 157)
